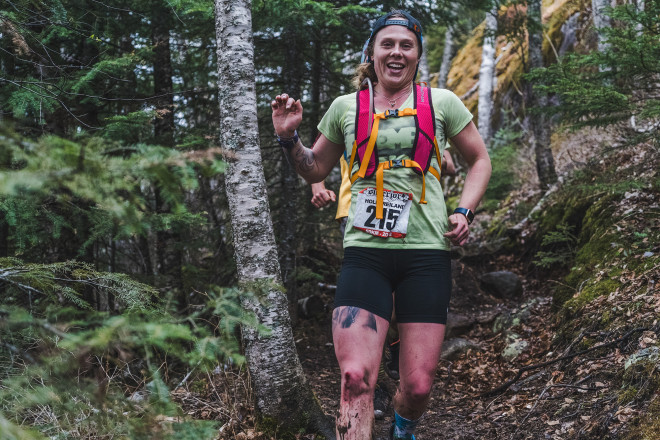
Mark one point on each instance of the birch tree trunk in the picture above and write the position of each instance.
(487, 76)
(423, 75)
(447, 56)
(545, 164)
(282, 395)
(601, 21)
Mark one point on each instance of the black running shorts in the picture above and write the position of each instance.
(419, 278)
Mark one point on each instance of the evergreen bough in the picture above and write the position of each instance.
(601, 88)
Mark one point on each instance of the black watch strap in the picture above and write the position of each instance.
(469, 215)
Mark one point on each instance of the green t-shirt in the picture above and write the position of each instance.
(427, 223)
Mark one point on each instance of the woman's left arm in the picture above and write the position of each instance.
(469, 144)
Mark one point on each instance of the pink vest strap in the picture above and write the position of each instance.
(423, 146)
(362, 131)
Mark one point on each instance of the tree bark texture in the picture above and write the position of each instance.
(169, 256)
(423, 74)
(313, 114)
(487, 76)
(163, 88)
(282, 394)
(545, 164)
(292, 76)
(601, 21)
(447, 55)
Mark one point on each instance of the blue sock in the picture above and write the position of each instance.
(404, 428)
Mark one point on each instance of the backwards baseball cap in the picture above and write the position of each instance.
(387, 20)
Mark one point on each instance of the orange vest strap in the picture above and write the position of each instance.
(372, 140)
(406, 163)
(434, 172)
(370, 148)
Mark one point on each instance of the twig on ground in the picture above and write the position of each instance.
(185, 379)
(520, 372)
(538, 399)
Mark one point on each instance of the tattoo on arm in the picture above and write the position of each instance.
(302, 158)
(305, 159)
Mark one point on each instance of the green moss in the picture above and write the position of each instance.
(586, 343)
(303, 274)
(569, 209)
(561, 295)
(606, 318)
(644, 377)
(626, 395)
(270, 427)
(554, 24)
(452, 203)
(199, 385)
(594, 239)
(292, 431)
(591, 292)
(647, 426)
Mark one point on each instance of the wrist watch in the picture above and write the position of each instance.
(469, 215)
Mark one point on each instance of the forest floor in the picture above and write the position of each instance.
(457, 409)
(569, 399)
(575, 398)
(590, 371)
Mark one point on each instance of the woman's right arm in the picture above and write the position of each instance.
(313, 165)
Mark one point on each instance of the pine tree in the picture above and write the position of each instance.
(600, 88)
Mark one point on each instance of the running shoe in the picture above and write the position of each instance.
(392, 437)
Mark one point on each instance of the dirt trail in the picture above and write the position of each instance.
(456, 409)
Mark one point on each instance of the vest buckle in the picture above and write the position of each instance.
(397, 163)
(392, 113)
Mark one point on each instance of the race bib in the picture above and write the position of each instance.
(396, 211)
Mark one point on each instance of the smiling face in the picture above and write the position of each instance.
(396, 54)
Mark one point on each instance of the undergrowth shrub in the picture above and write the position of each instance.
(74, 372)
(504, 155)
(604, 87)
(559, 247)
(89, 353)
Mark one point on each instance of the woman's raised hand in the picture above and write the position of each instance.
(287, 115)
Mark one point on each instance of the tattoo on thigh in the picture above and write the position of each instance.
(371, 322)
(345, 316)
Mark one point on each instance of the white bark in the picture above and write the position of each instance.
(279, 385)
(640, 7)
(447, 55)
(601, 21)
(423, 74)
(487, 76)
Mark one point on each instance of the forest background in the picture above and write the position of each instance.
(119, 281)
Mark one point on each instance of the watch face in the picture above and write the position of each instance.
(469, 215)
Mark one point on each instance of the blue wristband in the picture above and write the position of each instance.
(288, 143)
(469, 215)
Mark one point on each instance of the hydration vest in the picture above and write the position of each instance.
(366, 133)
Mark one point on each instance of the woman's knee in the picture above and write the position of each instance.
(416, 389)
(356, 381)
